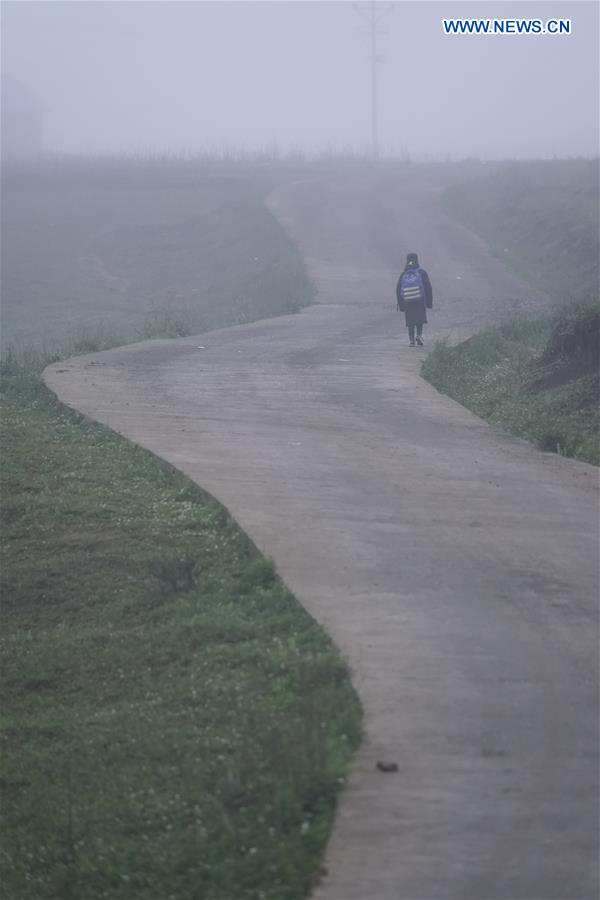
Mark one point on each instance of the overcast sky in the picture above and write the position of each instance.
(151, 76)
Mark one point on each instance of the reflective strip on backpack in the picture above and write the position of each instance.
(412, 287)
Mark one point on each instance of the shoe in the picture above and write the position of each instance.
(420, 340)
(411, 344)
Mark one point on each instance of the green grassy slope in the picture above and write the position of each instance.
(542, 219)
(111, 254)
(538, 378)
(174, 724)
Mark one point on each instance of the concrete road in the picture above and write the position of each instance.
(455, 567)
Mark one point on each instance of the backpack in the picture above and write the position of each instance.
(412, 288)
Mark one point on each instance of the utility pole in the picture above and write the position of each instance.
(374, 13)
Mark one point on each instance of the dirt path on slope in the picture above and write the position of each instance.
(455, 566)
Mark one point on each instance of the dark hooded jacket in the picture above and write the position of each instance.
(415, 313)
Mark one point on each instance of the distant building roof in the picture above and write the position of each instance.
(22, 119)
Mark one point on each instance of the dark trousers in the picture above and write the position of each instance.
(411, 331)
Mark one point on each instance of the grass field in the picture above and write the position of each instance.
(537, 378)
(174, 725)
(97, 256)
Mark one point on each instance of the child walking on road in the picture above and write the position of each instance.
(415, 296)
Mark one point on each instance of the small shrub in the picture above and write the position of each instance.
(575, 337)
(174, 573)
(259, 574)
(9, 365)
(86, 345)
(168, 322)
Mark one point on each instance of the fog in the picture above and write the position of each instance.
(186, 76)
